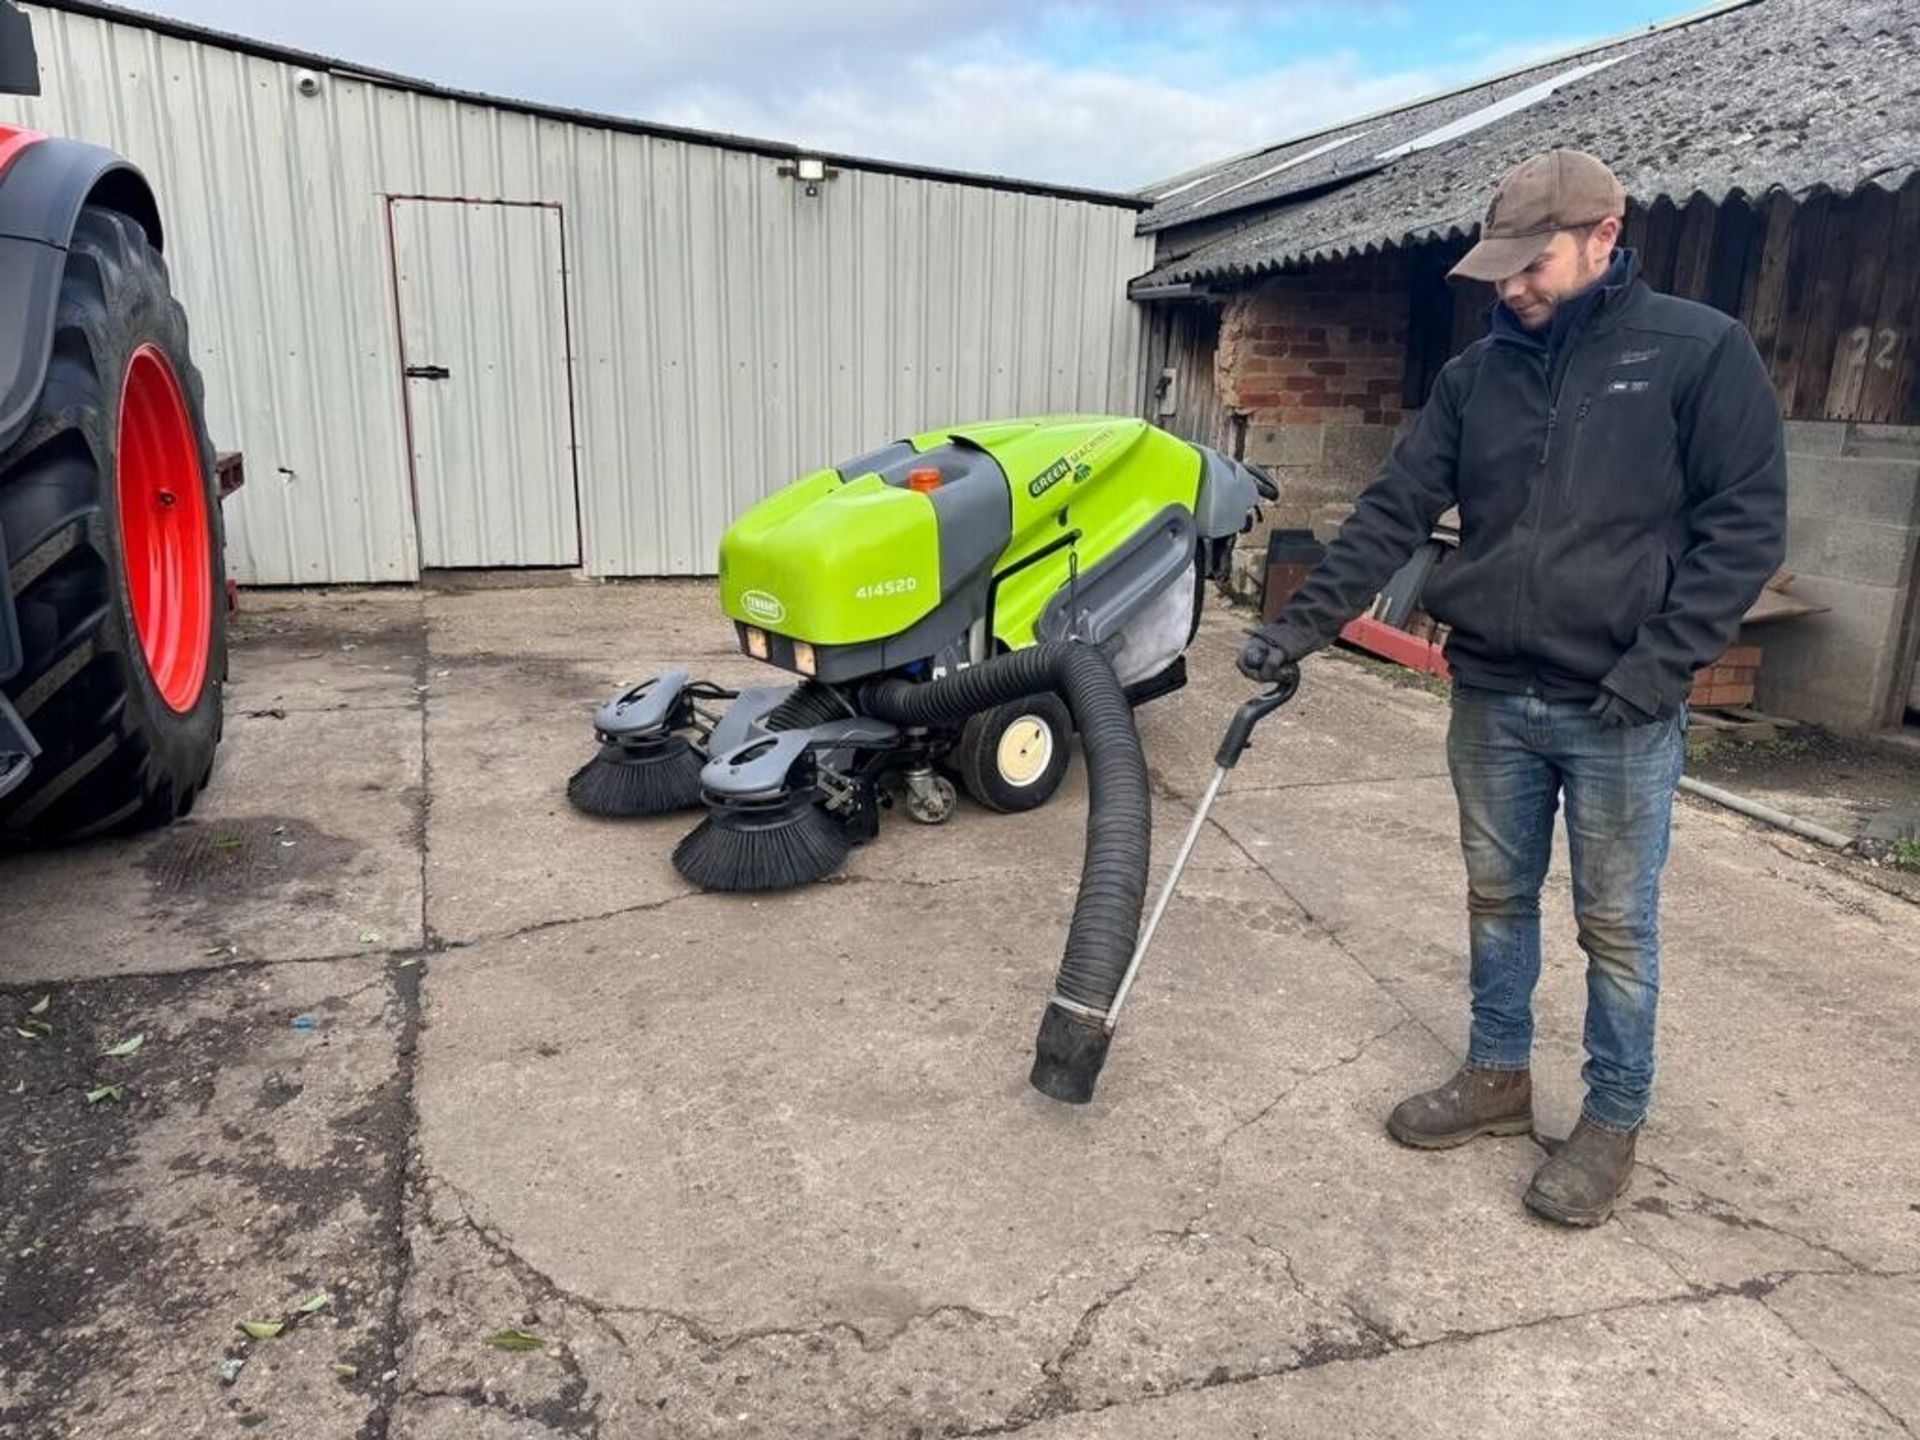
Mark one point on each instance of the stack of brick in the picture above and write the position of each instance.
(1728, 681)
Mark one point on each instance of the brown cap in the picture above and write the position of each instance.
(1560, 190)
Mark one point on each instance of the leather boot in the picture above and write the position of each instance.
(1474, 1102)
(1586, 1175)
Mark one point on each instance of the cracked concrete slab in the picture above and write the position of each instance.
(1827, 1310)
(1724, 1368)
(1346, 724)
(305, 845)
(296, 651)
(1215, 1305)
(1790, 1153)
(245, 1167)
(1422, 1244)
(1817, 1000)
(771, 1168)
(862, 1155)
(607, 1368)
(631, 627)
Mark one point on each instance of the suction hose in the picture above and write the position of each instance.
(1073, 1039)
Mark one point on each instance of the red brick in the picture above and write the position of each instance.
(1303, 384)
(1326, 367)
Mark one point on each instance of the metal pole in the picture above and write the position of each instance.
(1812, 830)
(1166, 895)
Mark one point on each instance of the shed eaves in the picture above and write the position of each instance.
(1794, 95)
(121, 14)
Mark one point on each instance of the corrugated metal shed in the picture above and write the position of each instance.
(723, 330)
(1792, 95)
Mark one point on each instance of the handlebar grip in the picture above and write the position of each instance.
(1240, 731)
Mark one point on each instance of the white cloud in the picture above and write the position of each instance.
(1094, 127)
(972, 87)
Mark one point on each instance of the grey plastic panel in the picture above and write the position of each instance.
(758, 767)
(1110, 594)
(972, 505)
(876, 461)
(736, 726)
(858, 732)
(648, 706)
(1228, 494)
(941, 636)
(975, 513)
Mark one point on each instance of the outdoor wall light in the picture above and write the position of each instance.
(811, 171)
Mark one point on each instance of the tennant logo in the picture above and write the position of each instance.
(762, 606)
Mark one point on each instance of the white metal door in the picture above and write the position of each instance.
(483, 344)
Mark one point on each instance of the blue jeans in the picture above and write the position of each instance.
(1512, 756)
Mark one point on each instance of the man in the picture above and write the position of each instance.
(1618, 462)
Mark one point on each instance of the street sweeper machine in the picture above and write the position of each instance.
(954, 606)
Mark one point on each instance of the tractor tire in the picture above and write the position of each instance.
(1013, 757)
(110, 507)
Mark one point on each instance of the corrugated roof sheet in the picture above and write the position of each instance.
(1795, 95)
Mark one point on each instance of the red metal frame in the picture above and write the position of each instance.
(1376, 637)
(12, 141)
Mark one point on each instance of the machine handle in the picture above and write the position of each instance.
(1240, 732)
(427, 372)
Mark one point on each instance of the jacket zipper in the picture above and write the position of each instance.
(1573, 450)
(1556, 378)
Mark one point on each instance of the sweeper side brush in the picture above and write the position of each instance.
(648, 763)
(957, 606)
(771, 845)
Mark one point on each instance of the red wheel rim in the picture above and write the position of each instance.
(163, 529)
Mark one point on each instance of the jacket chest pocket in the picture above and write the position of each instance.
(1623, 454)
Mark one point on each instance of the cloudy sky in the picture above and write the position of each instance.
(1107, 93)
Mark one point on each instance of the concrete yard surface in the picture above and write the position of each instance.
(417, 1038)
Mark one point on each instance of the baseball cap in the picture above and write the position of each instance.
(1560, 190)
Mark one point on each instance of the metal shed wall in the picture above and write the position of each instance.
(728, 331)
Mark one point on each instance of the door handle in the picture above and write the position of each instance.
(427, 372)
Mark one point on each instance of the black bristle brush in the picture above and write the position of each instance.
(648, 777)
(790, 842)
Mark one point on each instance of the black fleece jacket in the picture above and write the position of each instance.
(1622, 488)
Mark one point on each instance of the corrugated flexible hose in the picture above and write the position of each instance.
(1073, 1040)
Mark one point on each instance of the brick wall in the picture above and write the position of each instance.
(1314, 366)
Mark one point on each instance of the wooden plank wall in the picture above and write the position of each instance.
(1829, 289)
(1184, 337)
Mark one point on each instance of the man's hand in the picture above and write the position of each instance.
(1264, 657)
(1617, 713)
